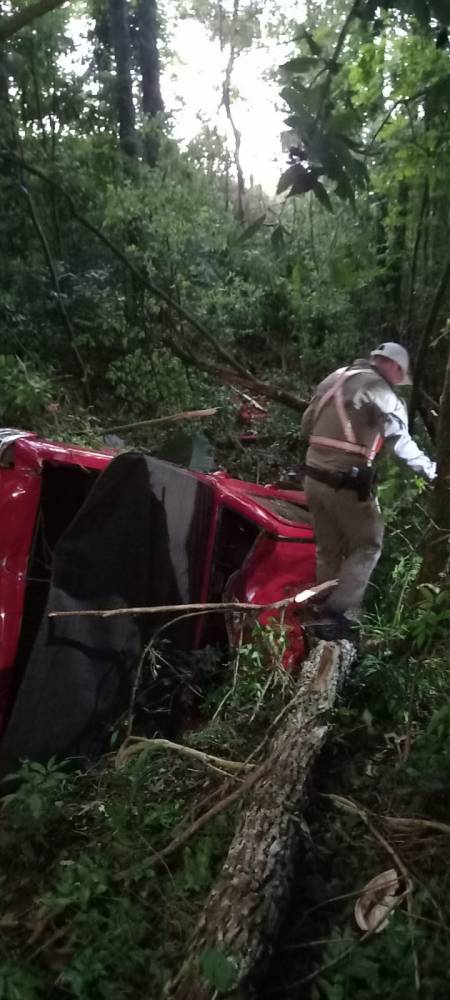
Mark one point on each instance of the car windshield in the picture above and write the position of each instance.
(286, 509)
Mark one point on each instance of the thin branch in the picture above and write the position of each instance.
(14, 22)
(400, 100)
(139, 744)
(55, 280)
(301, 598)
(161, 421)
(415, 823)
(282, 396)
(332, 63)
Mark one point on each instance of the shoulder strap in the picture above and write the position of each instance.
(335, 394)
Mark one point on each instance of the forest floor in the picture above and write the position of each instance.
(97, 902)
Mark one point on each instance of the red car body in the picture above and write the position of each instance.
(258, 547)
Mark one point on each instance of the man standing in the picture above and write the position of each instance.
(354, 412)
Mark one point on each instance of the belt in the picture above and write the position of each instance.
(337, 480)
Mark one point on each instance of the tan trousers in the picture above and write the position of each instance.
(349, 539)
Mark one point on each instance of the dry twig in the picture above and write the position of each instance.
(173, 418)
(304, 597)
(138, 745)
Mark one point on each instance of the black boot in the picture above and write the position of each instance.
(335, 626)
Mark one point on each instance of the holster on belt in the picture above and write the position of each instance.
(362, 480)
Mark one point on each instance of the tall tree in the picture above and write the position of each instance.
(120, 31)
(152, 102)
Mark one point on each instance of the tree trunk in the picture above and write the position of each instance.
(226, 101)
(381, 249)
(244, 912)
(398, 246)
(120, 30)
(4, 89)
(415, 255)
(420, 360)
(152, 101)
(436, 563)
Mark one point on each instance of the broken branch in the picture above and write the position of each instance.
(161, 421)
(139, 745)
(302, 598)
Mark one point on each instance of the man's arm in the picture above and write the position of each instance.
(392, 418)
(400, 443)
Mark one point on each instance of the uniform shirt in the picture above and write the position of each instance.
(372, 407)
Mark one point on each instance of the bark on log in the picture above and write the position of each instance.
(244, 912)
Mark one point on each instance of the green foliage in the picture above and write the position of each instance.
(25, 390)
(430, 625)
(19, 983)
(37, 793)
(104, 918)
(88, 854)
(259, 684)
(219, 970)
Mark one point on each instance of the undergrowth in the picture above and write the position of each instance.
(91, 907)
(389, 761)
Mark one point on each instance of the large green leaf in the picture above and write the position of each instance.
(251, 230)
(297, 101)
(277, 237)
(322, 195)
(300, 64)
(296, 176)
(345, 190)
(219, 971)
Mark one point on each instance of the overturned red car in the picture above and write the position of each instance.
(83, 529)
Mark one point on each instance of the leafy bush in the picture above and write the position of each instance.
(25, 391)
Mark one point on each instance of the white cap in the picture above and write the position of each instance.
(397, 353)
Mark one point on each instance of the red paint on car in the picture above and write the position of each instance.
(261, 536)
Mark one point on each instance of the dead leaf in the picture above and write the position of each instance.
(377, 901)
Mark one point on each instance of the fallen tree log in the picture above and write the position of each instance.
(246, 907)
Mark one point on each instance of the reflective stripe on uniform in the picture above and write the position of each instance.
(350, 444)
(356, 449)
